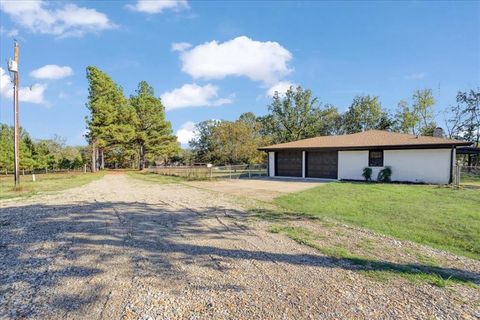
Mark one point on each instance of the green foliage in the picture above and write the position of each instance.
(367, 174)
(470, 115)
(423, 102)
(229, 142)
(107, 105)
(298, 115)
(419, 118)
(37, 154)
(405, 119)
(365, 113)
(203, 145)
(153, 133)
(127, 131)
(385, 175)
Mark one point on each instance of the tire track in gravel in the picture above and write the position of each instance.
(174, 252)
(249, 244)
(93, 291)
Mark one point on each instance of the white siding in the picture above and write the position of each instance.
(423, 165)
(351, 164)
(271, 164)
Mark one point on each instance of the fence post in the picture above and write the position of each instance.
(458, 175)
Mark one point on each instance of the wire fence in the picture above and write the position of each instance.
(6, 172)
(466, 176)
(212, 172)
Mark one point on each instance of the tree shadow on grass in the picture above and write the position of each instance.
(46, 248)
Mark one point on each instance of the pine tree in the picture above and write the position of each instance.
(112, 120)
(153, 135)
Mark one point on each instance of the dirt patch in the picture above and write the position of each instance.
(119, 248)
(260, 189)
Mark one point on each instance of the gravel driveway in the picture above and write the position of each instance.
(119, 248)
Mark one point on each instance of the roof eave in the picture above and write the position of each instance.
(400, 146)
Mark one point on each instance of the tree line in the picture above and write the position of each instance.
(299, 115)
(43, 154)
(133, 132)
(126, 132)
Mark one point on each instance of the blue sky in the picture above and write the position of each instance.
(220, 59)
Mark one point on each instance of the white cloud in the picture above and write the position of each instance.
(180, 46)
(12, 33)
(186, 132)
(5, 84)
(52, 72)
(260, 61)
(415, 76)
(158, 6)
(193, 95)
(280, 87)
(32, 94)
(61, 20)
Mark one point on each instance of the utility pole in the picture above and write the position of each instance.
(13, 67)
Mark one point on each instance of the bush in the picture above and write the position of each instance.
(367, 174)
(385, 175)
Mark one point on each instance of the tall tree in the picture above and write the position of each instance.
(108, 123)
(470, 103)
(203, 144)
(406, 120)
(328, 121)
(294, 116)
(423, 104)
(365, 113)
(153, 132)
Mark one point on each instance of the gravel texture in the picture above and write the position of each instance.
(119, 248)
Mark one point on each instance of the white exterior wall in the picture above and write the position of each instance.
(421, 165)
(351, 164)
(271, 164)
(425, 165)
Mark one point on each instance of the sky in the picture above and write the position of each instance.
(219, 59)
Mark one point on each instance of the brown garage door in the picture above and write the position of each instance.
(288, 164)
(322, 164)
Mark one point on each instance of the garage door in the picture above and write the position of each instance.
(288, 164)
(322, 164)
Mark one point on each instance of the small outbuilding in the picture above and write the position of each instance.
(419, 159)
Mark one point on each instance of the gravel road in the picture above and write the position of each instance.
(120, 248)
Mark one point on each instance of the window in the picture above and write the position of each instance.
(375, 158)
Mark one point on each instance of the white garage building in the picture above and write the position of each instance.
(420, 159)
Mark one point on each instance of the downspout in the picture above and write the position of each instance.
(452, 152)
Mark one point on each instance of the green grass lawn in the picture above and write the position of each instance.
(154, 177)
(470, 180)
(44, 183)
(438, 216)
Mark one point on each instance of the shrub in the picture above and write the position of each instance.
(385, 175)
(367, 174)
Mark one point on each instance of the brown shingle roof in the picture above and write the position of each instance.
(371, 138)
